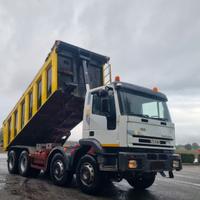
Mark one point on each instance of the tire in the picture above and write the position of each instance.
(88, 176)
(142, 182)
(12, 162)
(24, 166)
(58, 172)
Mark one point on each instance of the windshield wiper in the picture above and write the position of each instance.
(158, 118)
(140, 115)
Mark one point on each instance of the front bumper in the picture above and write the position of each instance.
(154, 162)
(143, 162)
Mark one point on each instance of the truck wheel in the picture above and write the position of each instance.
(24, 164)
(59, 175)
(142, 182)
(88, 176)
(12, 162)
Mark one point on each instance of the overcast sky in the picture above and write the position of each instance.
(151, 43)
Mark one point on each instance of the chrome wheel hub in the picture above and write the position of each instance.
(58, 169)
(87, 174)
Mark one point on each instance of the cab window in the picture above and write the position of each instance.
(105, 106)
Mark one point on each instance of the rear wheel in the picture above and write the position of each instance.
(59, 174)
(24, 166)
(12, 162)
(142, 182)
(88, 176)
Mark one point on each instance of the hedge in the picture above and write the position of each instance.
(188, 158)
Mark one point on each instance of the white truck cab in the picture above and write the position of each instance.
(131, 132)
(125, 115)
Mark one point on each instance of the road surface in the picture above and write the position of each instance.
(185, 186)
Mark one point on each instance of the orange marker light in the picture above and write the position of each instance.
(132, 164)
(117, 78)
(155, 89)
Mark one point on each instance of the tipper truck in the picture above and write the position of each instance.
(127, 132)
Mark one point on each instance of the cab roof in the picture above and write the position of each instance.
(141, 90)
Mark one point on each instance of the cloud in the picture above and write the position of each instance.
(151, 43)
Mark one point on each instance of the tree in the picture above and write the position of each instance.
(195, 146)
(188, 147)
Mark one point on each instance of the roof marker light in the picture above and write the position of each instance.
(155, 89)
(117, 78)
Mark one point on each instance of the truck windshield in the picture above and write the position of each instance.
(143, 105)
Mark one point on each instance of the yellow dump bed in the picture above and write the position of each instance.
(53, 103)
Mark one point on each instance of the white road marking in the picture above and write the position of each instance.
(187, 176)
(196, 185)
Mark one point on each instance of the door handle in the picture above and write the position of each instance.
(144, 120)
(91, 133)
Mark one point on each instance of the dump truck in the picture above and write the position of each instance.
(127, 131)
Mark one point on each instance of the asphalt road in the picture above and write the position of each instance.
(185, 186)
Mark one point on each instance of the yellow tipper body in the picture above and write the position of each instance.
(24, 111)
(41, 113)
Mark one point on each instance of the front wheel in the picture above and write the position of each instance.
(59, 174)
(142, 182)
(88, 176)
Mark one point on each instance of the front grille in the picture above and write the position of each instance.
(152, 156)
(157, 156)
(152, 145)
(144, 140)
(149, 141)
(151, 137)
(163, 157)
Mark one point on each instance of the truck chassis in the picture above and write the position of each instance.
(91, 163)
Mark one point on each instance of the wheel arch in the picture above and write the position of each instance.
(19, 149)
(92, 143)
(51, 155)
(86, 145)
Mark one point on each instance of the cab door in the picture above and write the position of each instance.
(103, 123)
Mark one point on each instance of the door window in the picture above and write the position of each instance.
(105, 106)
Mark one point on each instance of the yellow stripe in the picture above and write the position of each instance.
(44, 86)
(12, 128)
(26, 118)
(54, 71)
(110, 145)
